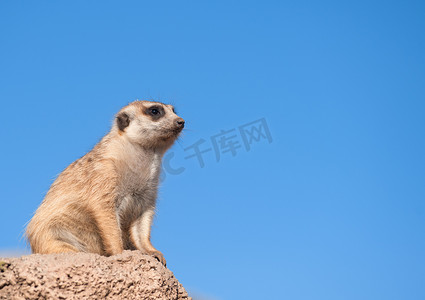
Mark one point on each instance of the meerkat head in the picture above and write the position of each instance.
(149, 124)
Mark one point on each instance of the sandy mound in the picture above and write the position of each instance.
(130, 275)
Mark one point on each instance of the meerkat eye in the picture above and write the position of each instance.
(155, 111)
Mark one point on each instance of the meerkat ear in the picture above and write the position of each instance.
(123, 120)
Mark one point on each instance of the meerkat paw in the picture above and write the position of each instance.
(159, 256)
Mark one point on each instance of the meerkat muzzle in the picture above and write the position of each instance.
(180, 123)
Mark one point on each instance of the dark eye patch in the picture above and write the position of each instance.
(155, 112)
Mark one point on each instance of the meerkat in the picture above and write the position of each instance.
(105, 201)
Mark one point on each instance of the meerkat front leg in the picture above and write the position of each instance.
(140, 234)
(110, 232)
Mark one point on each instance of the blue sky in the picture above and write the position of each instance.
(332, 208)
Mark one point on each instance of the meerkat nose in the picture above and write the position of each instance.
(180, 122)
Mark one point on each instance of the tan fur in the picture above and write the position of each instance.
(104, 202)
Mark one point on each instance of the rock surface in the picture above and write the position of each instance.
(130, 275)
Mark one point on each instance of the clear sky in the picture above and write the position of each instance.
(325, 202)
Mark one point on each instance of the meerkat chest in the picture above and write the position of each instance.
(138, 188)
(140, 175)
